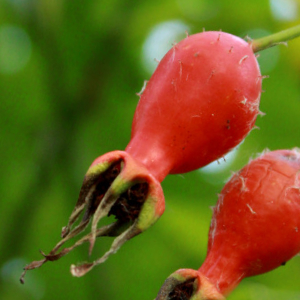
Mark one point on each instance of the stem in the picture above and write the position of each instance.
(277, 38)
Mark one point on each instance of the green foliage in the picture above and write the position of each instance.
(73, 99)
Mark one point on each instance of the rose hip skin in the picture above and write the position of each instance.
(202, 100)
(254, 227)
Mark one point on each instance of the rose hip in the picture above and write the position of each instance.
(254, 227)
(201, 101)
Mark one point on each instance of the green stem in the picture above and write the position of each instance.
(277, 38)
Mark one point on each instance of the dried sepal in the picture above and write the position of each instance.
(188, 284)
(179, 285)
(115, 184)
(128, 234)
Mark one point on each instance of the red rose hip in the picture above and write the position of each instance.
(254, 227)
(202, 100)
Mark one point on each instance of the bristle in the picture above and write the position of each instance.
(243, 59)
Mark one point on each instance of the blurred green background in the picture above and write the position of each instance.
(69, 71)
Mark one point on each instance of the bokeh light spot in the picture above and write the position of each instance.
(221, 164)
(15, 50)
(160, 41)
(10, 273)
(285, 10)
